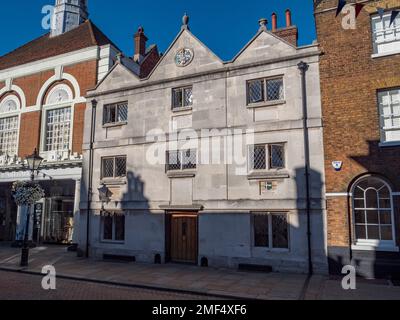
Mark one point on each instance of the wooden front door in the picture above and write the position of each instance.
(184, 238)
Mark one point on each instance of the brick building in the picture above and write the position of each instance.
(42, 104)
(360, 83)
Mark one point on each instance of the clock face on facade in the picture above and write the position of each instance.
(184, 57)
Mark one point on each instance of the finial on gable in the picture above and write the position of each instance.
(263, 24)
(185, 22)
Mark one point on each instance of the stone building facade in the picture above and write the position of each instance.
(211, 162)
(360, 83)
(43, 85)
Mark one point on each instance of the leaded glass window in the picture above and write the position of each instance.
(267, 156)
(182, 97)
(265, 90)
(58, 129)
(113, 226)
(181, 160)
(115, 113)
(113, 167)
(271, 230)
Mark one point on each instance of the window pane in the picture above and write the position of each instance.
(255, 91)
(261, 235)
(177, 98)
(280, 231)
(275, 89)
(386, 217)
(108, 168)
(174, 160)
(386, 232)
(258, 158)
(373, 232)
(188, 97)
(372, 217)
(120, 228)
(360, 216)
(389, 107)
(120, 167)
(384, 203)
(371, 198)
(189, 159)
(277, 156)
(361, 232)
(107, 228)
(359, 203)
(123, 112)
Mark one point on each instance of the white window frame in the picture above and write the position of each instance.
(49, 107)
(371, 244)
(102, 218)
(269, 214)
(395, 28)
(267, 157)
(12, 114)
(382, 116)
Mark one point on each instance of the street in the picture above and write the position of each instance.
(18, 286)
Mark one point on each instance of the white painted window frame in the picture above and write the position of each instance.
(395, 27)
(383, 129)
(370, 244)
(13, 114)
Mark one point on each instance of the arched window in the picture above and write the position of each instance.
(58, 116)
(9, 125)
(373, 213)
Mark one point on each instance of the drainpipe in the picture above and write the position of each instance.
(90, 175)
(303, 67)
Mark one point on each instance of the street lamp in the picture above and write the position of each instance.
(34, 161)
(103, 195)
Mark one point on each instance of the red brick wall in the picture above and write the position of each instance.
(350, 79)
(86, 75)
(290, 34)
(149, 63)
(29, 133)
(79, 123)
(32, 84)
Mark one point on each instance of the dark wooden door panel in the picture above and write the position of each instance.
(184, 235)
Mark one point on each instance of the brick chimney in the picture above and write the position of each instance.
(140, 45)
(289, 32)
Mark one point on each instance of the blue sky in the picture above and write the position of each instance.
(225, 26)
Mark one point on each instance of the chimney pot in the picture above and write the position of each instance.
(288, 18)
(274, 21)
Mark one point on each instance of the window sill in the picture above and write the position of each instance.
(181, 174)
(114, 182)
(265, 104)
(389, 144)
(372, 247)
(384, 54)
(112, 242)
(271, 250)
(178, 110)
(114, 125)
(268, 175)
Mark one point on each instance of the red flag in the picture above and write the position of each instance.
(359, 7)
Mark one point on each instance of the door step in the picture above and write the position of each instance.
(255, 268)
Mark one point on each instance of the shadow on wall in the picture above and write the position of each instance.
(311, 217)
(384, 164)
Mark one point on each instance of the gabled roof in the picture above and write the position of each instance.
(84, 36)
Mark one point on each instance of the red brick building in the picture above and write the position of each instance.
(43, 85)
(360, 82)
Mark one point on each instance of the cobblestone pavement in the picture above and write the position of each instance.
(17, 286)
